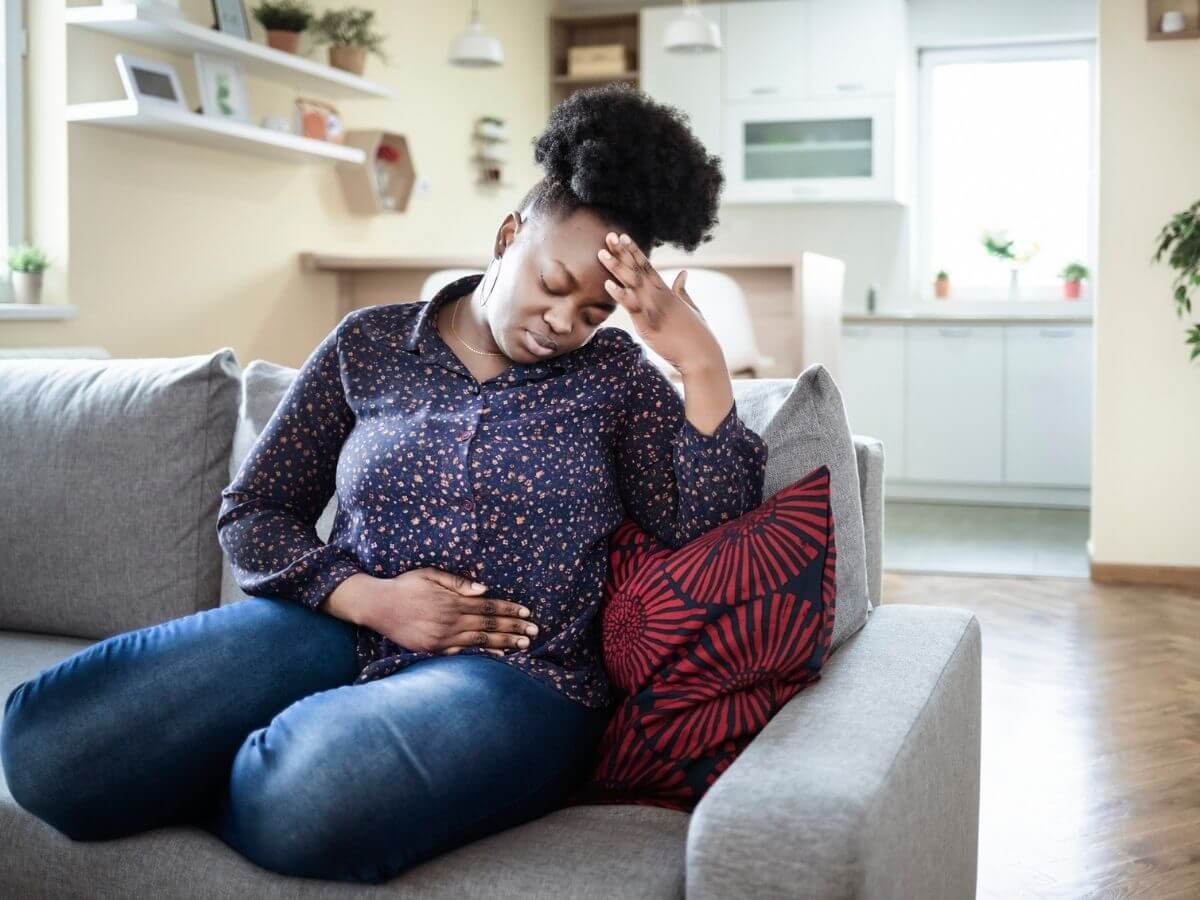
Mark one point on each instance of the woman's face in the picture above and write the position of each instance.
(551, 284)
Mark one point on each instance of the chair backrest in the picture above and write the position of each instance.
(723, 305)
(439, 279)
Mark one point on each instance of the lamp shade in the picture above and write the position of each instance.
(476, 48)
(692, 33)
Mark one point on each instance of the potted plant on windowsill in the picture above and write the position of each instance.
(1072, 275)
(26, 264)
(941, 285)
(350, 36)
(284, 20)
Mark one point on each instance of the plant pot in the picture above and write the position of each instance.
(941, 288)
(349, 59)
(1071, 290)
(27, 286)
(287, 41)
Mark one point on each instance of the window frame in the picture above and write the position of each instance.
(928, 58)
(12, 138)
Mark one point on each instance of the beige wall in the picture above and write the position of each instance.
(169, 248)
(1146, 482)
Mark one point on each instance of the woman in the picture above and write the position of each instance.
(350, 718)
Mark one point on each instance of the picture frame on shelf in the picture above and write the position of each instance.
(222, 85)
(151, 82)
(230, 17)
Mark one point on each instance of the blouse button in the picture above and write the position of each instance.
(465, 435)
(467, 504)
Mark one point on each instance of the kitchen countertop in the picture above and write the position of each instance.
(893, 318)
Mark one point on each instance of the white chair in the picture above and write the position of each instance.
(439, 279)
(723, 305)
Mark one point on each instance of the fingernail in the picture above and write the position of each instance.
(604, 254)
(524, 612)
(625, 239)
(524, 642)
(478, 586)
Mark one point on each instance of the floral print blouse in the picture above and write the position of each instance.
(516, 481)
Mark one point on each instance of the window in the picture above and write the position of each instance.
(1006, 144)
(12, 175)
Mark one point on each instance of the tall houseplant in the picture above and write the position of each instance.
(350, 35)
(1179, 241)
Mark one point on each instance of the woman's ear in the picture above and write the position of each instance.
(509, 229)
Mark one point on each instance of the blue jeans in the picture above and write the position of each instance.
(244, 720)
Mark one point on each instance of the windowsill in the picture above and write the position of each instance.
(30, 312)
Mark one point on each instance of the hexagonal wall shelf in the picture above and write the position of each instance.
(384, 182)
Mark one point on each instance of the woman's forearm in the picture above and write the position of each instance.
(345, 602)
(707, 395)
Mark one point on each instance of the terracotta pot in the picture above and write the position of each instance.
(287, 41)
(350, 59)
(27, 287)
(941, 288)
(1071, 290)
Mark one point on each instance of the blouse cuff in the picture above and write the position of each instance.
(327, 575)
(731, 434)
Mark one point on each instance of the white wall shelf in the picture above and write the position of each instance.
(196, 128)
(136, 23)
(28, 312)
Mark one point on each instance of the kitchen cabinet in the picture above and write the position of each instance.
(803, 101)
(853, 47)
(969, 411)
(1048, 404)
(688, 81)
(870, 358)
(954, 403)
(764, 44)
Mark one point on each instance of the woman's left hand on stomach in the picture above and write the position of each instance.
(666, 317)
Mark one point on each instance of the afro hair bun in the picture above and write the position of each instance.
(633, 160)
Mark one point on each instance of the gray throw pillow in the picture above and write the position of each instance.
(804, 424)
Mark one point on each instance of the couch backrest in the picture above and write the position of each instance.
(110, 479)
(111, 472)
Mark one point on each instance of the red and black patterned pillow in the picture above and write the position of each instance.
(705, 643)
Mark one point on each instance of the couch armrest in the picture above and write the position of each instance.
(866, 783)
(868, 453)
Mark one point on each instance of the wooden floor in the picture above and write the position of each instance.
(1091, 734)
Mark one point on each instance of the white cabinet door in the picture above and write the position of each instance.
(1048, 427)
(871, 379)
(853, 47)
(688, 81)
(954, 396)
(763, 49)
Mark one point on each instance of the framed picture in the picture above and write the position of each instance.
(150, 81)
(222, 88)
(230, 16)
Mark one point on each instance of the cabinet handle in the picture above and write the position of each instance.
(954, 332)
(1055, 332)
(850, 86)
(764, 90)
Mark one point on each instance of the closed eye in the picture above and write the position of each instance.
(606, 307)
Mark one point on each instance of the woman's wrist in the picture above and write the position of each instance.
(346, 601)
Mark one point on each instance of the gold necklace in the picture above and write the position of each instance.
(453, 319)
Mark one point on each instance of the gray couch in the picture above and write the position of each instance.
(865, 785)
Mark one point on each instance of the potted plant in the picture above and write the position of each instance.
(26, 264)
(1072, 274)
(941, 285)
(350, 35)
(998, 244)
(1179, 241)
(284, 20)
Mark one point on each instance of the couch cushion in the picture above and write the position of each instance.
(579, 851)
(803, 421)
(112, 477)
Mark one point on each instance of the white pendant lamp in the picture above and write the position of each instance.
(475, 48)
(690, 32)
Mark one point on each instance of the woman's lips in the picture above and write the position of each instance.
(535, 347)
